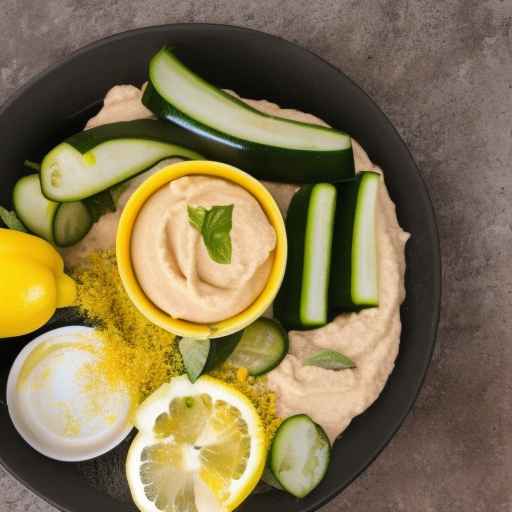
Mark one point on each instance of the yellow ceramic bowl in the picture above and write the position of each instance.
(123, 249)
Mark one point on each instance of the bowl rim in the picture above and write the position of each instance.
(436, 263)
(128, 220)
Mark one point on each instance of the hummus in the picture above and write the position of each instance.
(370, 338)
(171, 261)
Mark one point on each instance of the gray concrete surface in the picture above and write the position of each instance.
(442, 71)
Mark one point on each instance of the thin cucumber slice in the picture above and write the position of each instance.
(195, 354)
(224, 128)
(299, 455)
(94, 160)
(35, 211)
(302, 301)
(71, 223)
(354, 282)
(263, 346)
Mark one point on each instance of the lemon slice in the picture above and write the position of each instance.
(200, 448)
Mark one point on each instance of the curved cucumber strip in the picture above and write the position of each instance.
(299, 455)
(263, 346)
(34, 210)
(91, 161)
(71, 223)
(354, 280)
(225, 128)
(61, 224)
(302, 301)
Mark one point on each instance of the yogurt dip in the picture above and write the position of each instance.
(171, 261)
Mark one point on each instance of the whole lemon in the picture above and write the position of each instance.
(28, 295)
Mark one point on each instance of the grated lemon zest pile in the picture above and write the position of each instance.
(140, 354)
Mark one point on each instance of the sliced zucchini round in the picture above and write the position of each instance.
(263, 346)
(299, 455)
(35, 211)
(71, 223)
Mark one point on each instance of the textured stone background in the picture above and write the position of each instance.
(442, 71)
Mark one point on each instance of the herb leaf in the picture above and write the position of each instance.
(215, 226)
(11, 220)
(194, 352)
(330, 360)
(196, 216)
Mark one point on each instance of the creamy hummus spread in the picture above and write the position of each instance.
(171, 261)
(370, 338)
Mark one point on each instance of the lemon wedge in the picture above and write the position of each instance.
(200, 448)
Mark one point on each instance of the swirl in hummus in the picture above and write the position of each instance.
(370, 338)
(172, 263)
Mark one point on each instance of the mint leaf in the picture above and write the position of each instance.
(11, 220)
(215, 226)
(196, 216)
(330, 360)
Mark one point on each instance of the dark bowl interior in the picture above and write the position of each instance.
(255, 65)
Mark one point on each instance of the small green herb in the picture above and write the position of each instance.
(11, 220)
(330, 360)
(195, 354)
(215, 226)
(32, 165)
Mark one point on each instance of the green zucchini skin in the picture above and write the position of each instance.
(61, 183)
(342, 286)
(307, 271)
(263, 161)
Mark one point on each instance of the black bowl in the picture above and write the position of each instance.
(256, 65)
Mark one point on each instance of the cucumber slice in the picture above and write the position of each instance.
(61, 224)
(35, 211)
(71, 223)
(299, 455)
(195, 354)
(262, 347)
(224, 128)
(97, 159)
(302, 299)
(354, 282)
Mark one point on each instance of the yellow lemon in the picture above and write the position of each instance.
(200, 447)
(28, 295)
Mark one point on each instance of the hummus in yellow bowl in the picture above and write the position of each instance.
(201, 249)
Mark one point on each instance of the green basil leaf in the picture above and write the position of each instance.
(218, 245)
(196, 216)
(215, 226)
(194, 352)
(218, 219)
(330, 360)
(11, 220)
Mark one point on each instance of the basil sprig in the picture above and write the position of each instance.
(330, 360)
(11, 220)
(215, 225)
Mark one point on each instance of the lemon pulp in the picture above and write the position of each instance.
(204, 452)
